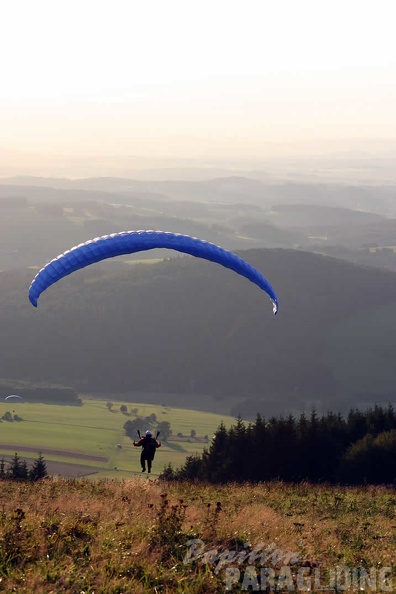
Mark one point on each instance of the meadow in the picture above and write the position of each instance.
(86, 440)
(133, 536)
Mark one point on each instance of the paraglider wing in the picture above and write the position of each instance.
(12, 397)
(129, 242)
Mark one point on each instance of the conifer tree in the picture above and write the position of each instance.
(3, 473)
(39, 469)
(15, 470)
(23, 470)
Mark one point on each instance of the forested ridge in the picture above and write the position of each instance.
(191, 327)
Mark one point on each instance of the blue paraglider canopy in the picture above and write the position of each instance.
(129, 242)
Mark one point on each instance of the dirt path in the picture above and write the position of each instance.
(70, 470)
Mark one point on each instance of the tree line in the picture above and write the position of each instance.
(33, 392)
(18, 470)
(357, 448)
(132, 427)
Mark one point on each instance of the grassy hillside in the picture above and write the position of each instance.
(85, 440)
(134, 536)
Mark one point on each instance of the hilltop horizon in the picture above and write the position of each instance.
(370, 160)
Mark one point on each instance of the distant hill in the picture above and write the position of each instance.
(254, 188)
(191, 327)
(235, 211)
(63, 218)
(310, 215)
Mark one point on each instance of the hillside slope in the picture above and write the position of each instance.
(192, 327)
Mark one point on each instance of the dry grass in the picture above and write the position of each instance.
(129, 536)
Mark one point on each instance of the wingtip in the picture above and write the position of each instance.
(33, 301)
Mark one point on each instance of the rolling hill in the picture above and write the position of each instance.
(235, 212)
(189, 327)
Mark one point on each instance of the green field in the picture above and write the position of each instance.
(85, 439)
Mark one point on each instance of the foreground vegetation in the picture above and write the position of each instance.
(130, 536)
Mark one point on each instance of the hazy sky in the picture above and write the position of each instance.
(194, 78)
